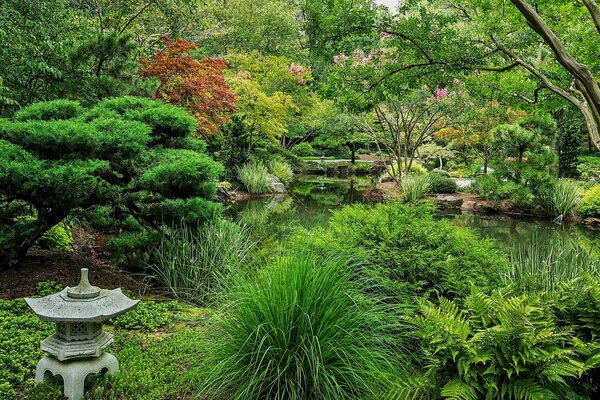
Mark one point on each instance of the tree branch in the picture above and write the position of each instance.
(594, 12)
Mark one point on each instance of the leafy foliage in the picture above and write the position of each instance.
(282, 170)
(590, 204)
(559, 198)
(501, 346)
(441, 183)
(197, 264)
(147, 316)
(539, 266)
(415, 187)
(255, 177)
(198, 85)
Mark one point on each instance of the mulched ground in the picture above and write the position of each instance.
(64, 268)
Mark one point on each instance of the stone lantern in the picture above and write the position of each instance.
(76, 350)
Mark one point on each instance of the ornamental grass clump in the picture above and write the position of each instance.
(299, 330)
(559, 199)
(196, 264)
(255, 178)
(282, 170)
(415, 187)
(544, 266)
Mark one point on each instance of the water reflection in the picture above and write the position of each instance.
(312, 198)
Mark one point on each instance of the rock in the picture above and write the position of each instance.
(592, 222)
(276, 184)
(449, 201)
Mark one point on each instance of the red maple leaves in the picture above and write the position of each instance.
(197, 85)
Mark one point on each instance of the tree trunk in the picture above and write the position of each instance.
(585, 81)
(24, 239)
(353, 147)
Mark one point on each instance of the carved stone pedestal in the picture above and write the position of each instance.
(74, 372)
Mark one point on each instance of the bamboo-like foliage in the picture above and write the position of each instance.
(539, 265)
(559, 199)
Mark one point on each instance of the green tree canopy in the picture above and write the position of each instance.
(135, 155)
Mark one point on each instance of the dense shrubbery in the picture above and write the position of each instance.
(300, 330)
(136, 155)
(589, 167)
(590, 204)
(303, 149)
(440, 182)
(281, 170)
(406, 252)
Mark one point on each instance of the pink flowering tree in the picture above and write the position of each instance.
(402, 125)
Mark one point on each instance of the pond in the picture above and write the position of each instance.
(312, 198)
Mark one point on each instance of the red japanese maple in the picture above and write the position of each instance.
(198, 85)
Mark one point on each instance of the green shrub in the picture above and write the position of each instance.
(48, 110)
(360, 168)
(589, 167)
(137, 156)
(281, 170)
(491, 188)
(499, 347)
(522, 197)
(59, 237)
(303, 149)
(559, 198)
(197, 264)
(590, 204)
(415, 187)
(132, 251)
(300, 330)
(405, 252)
(255, 178)
(440, 182)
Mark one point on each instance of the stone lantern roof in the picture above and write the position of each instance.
(83, 303)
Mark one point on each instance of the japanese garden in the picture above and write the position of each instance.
(300, 199)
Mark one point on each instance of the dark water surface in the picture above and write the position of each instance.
(312, 198)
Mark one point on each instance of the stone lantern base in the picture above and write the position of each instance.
(74, 372)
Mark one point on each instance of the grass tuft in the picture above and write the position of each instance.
(301, 330)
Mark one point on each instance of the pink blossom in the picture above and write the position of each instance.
(440, 93)
(456, 81)
(386, 35)
(340, 59)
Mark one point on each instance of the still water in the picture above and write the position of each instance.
(313, 198)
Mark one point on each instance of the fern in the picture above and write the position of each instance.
(506, 346)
